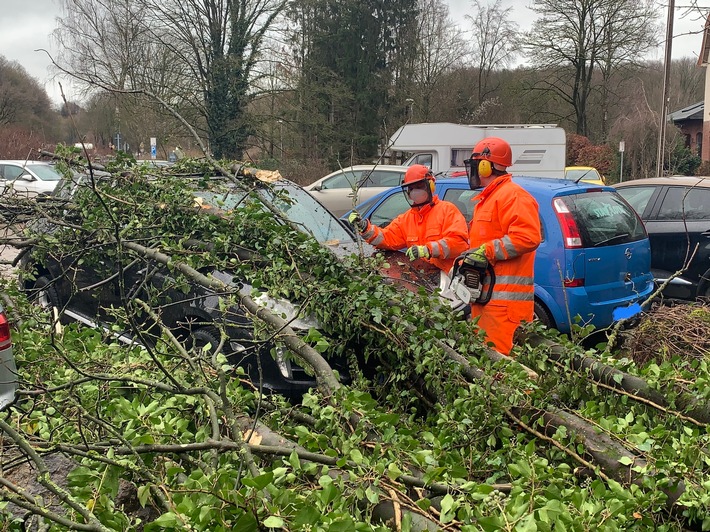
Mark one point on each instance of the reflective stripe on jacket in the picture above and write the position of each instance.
(439, 225)
(507, 222)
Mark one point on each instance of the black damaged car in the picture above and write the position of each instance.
(91, 291)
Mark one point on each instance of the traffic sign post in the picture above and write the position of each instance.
(622, 146)
(153, 147)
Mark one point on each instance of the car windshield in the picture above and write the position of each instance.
(604, 219)
(297, 205)
(45, 172)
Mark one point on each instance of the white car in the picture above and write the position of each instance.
(28, 178)
(341, 190)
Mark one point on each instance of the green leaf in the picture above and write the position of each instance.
(294, 461)
(274, 521)
(259, 482)
(143, 495)
(393, 472)
(167, 520)
(307, 515)
(246, 522)
(356, 456)
(447, 503)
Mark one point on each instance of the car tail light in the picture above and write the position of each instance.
(570, 231)
(5, 341)
(573, 283)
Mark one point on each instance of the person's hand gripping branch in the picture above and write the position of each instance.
(357, 221)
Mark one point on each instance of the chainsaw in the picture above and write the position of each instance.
(469, 277)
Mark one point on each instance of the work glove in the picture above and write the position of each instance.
(417, 252)
(357, 222)
(479, 254)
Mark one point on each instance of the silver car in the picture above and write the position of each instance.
(341, 190)
(28, 178)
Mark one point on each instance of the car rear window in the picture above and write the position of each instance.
(604, 219)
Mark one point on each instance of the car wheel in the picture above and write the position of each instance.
(200, 338)
(543, 315)
(45, 293)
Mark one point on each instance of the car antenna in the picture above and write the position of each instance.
(580, 177)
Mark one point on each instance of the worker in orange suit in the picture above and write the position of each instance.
(432, 229)
(505, 232)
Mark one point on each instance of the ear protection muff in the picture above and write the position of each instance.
(485, 169)
(432, 186)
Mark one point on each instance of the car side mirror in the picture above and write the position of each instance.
(26, 177)
(317, 188)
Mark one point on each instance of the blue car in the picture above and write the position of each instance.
(595, 255)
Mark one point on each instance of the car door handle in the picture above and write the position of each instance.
(351, 195)
(706, 234)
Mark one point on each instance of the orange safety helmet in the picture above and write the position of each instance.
(489, 153)
(418, 173)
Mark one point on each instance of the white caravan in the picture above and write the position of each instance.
(538, 149)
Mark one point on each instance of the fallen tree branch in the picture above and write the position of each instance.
(687, 406)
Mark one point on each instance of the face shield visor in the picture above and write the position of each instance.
(478, 166)
(419, 193)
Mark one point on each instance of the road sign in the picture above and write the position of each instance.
(153, 147)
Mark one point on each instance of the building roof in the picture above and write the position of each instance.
(692, 112)
(705, 48)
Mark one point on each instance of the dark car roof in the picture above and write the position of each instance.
(682, 180)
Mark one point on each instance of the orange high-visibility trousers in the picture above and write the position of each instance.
(497, 324)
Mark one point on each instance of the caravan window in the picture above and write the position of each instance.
(422, 158)
(459, 155)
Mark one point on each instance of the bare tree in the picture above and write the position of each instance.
(628, 30)
(573, 38)
(494, 42)
(221, 41)
(104, 42)
(442, 48)
(199, 52)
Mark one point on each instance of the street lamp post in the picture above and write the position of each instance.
(666, 85)
(410, 101)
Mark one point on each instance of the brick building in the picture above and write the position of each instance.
(691, 123)
(694, 120)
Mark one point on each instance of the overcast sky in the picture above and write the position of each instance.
(27, 25)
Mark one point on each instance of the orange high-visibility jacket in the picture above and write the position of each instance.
(438, 225)
(507, 222)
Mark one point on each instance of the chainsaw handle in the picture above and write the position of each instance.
(490, 278)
